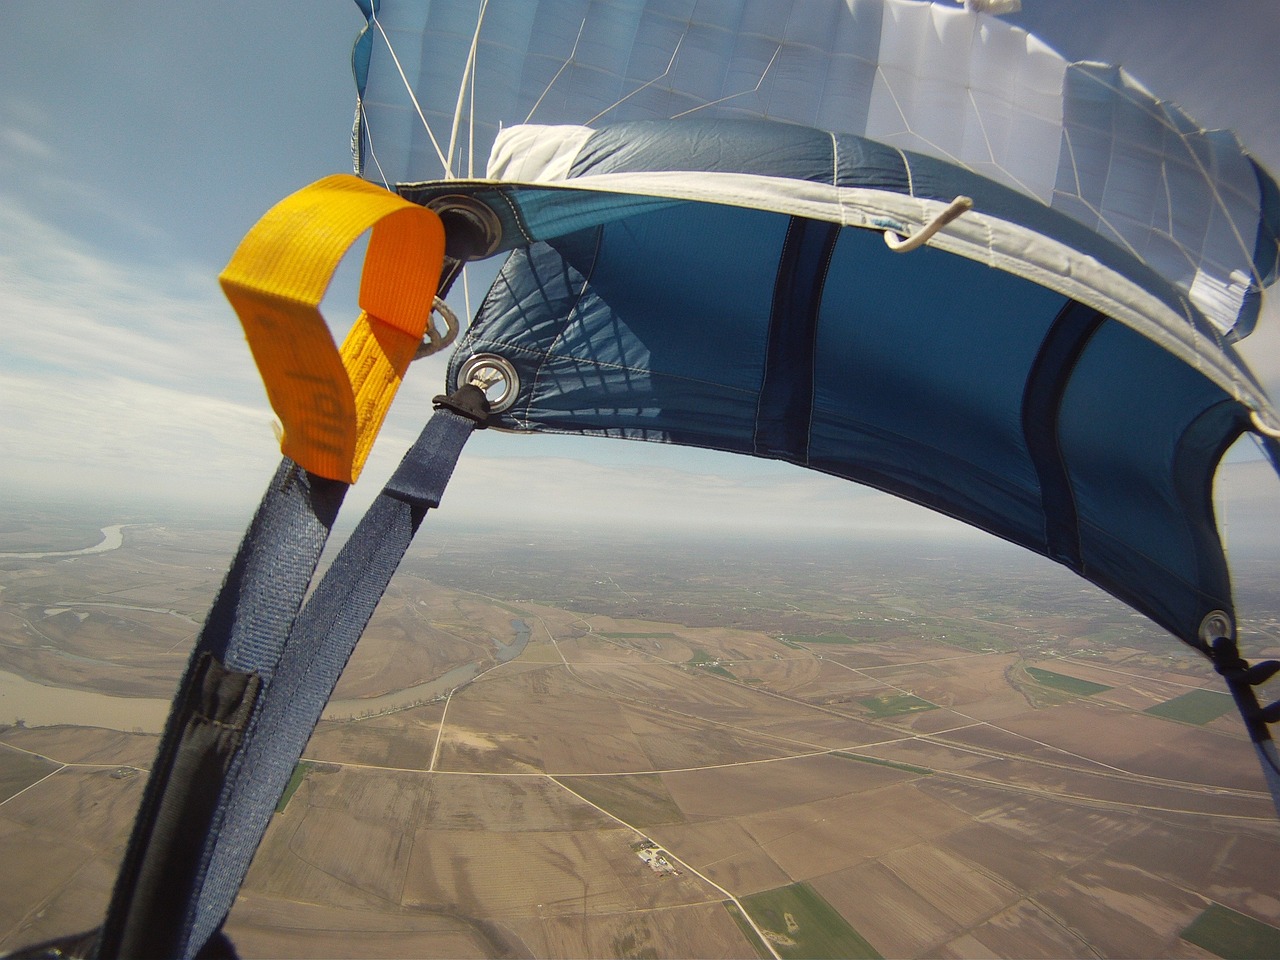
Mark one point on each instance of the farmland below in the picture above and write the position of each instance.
(719, 749)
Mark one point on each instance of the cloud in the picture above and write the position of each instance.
(113, 438)
(1247, 501)
(73, 309)
(132, 379)
(24, 111)
(122, 380)
(29, 146)
(664, 498)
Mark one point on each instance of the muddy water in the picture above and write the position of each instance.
(410, 696)
(432, 689)
(40, 706)
(112, 538)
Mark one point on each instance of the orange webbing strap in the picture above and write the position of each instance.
(332, 404)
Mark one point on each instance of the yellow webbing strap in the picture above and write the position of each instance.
(332, 404)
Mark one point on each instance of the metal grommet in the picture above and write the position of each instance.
(472, 230)
(1217, 625)
(487, 370)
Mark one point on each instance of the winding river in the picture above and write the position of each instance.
(38, 705)
(112, 538)
(432, 689)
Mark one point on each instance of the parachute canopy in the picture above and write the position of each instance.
(438, 80)
(1054, 366)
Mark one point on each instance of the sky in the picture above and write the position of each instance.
(140, 141)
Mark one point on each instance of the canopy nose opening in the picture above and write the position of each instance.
(472, 230)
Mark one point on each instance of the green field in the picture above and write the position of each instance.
(904, 767)
(1060, 681)
(707, 662)
(1198, 707)
(895, 704)
(628, 945)
(299, 774)
(820, 638)
(802, 924)
(641, 799)
(1233, 936)
(752, 938)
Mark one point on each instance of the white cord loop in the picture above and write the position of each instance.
(900, 244)
(1263, 427)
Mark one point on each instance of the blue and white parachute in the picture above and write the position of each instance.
(898, 242)
(702, 261)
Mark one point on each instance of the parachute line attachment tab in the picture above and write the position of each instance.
(467, 401)
(900, 244)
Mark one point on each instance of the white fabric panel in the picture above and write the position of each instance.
(972, 91)
(533, 153)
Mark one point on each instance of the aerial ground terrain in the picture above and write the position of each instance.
(558, 745)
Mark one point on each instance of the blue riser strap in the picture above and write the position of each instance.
(317, 650)
(254, 690)
(237, 652)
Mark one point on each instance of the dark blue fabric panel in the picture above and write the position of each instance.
(1122, 425)
(739, 146)
(553, 212)
(653, 273)
(1041, 403)
(937, 479)
(602, 347)
(932, 350)
(1127, 406)
(919, 378)
(1266, 251)
(860, 162)
(786, 393)
(923, 387)
(362, 49)
(1200, 448)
